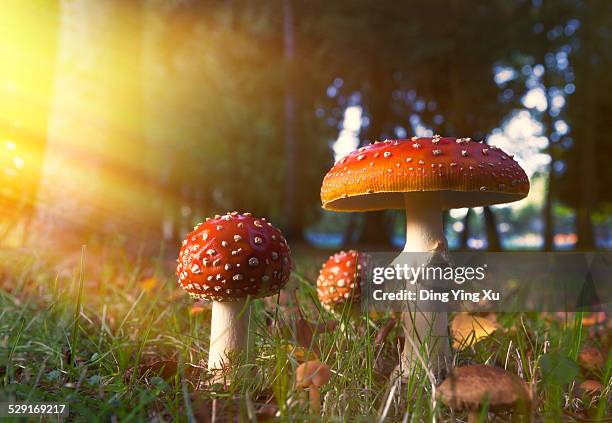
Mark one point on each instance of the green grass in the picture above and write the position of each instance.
(114, 338)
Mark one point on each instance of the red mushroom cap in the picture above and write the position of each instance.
(340, 278)
(233, 256)
(457, 172)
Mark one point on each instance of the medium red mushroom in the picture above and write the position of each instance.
(340, 280)
(423, 176)
(229, 259)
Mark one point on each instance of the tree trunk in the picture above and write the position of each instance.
(494, 243)
(27, 63)
(94, 139)
(465, 235)
(294, 229)
(584, 224)
(375, 228)
(548, 208)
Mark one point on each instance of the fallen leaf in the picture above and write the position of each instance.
(301, 354)
(591, 386)
(267, 413)
(305, 336)
(148, 284)
(375, 315)
(384, 330)
(467, 329)
(201, 407)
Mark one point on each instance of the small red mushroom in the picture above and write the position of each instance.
(312, 375)
(340, 280)
(228, 259)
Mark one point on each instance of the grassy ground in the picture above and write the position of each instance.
(136, 351)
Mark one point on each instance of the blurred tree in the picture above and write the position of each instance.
(463, 98)
(27, 63)
(569, 44)
(585, 183)
(293, 229)
(417, 72)
(91, 181)
(242, 90)
(547, 19)
(239, 105)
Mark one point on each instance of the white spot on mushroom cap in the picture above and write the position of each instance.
(253, 262)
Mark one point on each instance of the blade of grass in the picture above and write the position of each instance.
(77, 312)
(12, 351)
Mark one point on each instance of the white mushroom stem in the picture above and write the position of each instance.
(228, 333)
(424, 232)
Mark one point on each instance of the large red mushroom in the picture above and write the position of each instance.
(423, 176)
(228, 260)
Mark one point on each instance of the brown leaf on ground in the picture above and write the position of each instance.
(375, 315)
(305, 336)
(267, 412)
(591, 386)
(229, 409)
(384, 330)
(201, 407)
(467, 329)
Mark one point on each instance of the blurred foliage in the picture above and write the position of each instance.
(216, 78)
